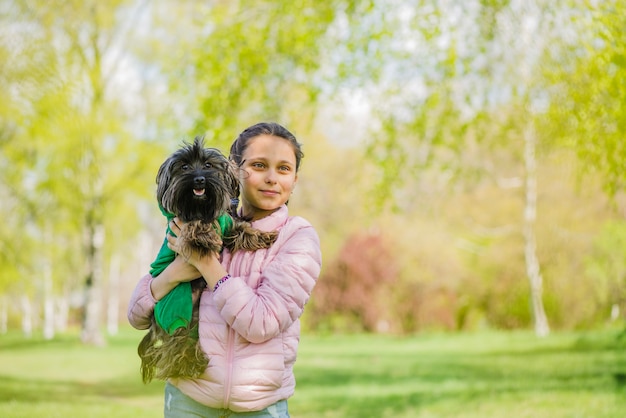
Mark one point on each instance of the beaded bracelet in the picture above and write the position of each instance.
(220, 281)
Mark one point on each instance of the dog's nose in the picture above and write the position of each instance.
(199, 182)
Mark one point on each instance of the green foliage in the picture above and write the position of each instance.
(589, 83)
(94, 95)
(249, 61)
(70, 163)
(483, 95)
(606, 266)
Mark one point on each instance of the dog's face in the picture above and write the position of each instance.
(196, 183)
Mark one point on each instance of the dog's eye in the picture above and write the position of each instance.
(185, 167)
(208, 165)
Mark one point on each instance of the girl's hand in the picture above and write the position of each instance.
(172, 241)
(207, 266)
(190, 257)
(178, 271)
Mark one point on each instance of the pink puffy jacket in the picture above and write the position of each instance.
(249, 327)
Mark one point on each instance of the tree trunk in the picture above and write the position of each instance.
(48, 302)
(113, 303)
(46, 274)
(530, 245)
(4, 315)
(61, 315)
(91, 333)
(27, 316)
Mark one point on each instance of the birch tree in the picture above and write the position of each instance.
(455, 66)
(72, 128)
(524, 26)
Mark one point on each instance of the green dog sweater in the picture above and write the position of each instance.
(174, 310)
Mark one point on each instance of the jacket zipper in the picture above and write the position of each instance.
(230, 352)
(230, 347)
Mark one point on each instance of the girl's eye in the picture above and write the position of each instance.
(257, 165)
(285, 168)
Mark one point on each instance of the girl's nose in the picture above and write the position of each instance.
(270, 178)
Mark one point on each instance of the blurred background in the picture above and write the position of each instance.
(464, 160)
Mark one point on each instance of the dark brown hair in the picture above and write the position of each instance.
(264, 128)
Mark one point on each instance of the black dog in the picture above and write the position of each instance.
(197, 185)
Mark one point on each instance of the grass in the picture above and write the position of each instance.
(487, 374)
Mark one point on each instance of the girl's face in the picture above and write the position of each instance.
(268, 175)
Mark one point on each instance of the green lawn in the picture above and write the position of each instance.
(444, 375)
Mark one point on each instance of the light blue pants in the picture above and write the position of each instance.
(179, 405)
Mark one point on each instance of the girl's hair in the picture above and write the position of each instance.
(264, 128)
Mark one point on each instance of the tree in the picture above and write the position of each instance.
(73, 128)
(528, 26)
(233, 64)
(453, 101)
(456, 76)
(589, 86)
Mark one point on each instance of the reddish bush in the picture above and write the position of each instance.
(354, 288)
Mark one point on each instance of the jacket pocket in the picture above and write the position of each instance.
(262, 366)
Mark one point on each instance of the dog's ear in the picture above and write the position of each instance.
(232, 178)
(163, 178)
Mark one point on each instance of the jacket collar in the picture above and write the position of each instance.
(274, 221)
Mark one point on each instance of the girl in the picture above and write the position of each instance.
(249, 312)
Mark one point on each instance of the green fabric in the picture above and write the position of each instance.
(174, 310)
(165, 255)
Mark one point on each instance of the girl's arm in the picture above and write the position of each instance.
(151, 289)
(141, 304)
(178, 271)
(286, 285)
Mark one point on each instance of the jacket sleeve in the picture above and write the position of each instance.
(141, 305)
(286, 285)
